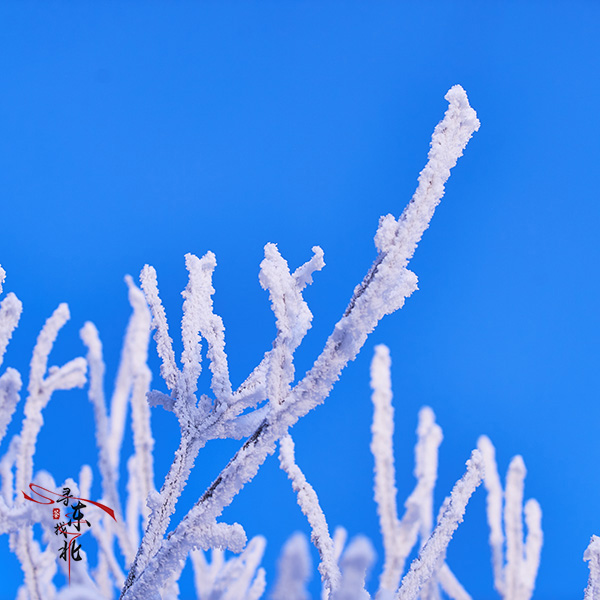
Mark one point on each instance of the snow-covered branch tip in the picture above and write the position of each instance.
(400, 535)
(294, 569)
(355, 564)
(515, 574)
(448, 142)
(10, 381)
(382, 447)
(309, 504)
(592, 557)
(432, 555)
(398, 238)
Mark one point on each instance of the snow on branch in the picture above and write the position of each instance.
(239, 578)
(245, 579)
(38, 566)
(494, 510)
(382, 447)
(433, 553)
(592, 557)
(201, 421)
(303, 274)
(10, 386)
(533, 546)
(292, 323)
(400, 536)
(356, 561)
(293, 570)
(449, 139)
(10, 381)
(205, 572)
(263, 409)
(513, 522)
(382, 291)
(10, 313)
(137, 340)
(199, 317)
(42, 383)
(108, 455)
(293, 317)
(164, 344)
(514, 577)
(309, 503)
(131, 386)
(388, 283)
(426, 458)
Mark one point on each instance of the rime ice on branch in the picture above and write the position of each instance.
(16, 467)
(345, 579)
(39, 557)
(383, 290)
(294, 570)
(309, 503)
(432, 555)
(515, 578)
(262, 409)
(10, 381)
(592, 557)
(429, 570)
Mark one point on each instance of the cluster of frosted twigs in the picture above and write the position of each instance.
(141, 553)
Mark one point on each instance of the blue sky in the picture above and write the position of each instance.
(132, 133)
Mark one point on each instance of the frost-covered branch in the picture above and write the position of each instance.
(199, 422)
(37, 567)
(293, 570)
(533, 546)
(42, 383)
(400, 536)
(137, 340)
(10, 381)
(513, 522)
(309, 503)
(164, 344)
(494, 510)
(263, 409)
(293, 317)
(131, 386)
(199, 317)
(420, 502)
(10, 313)
(356, 561)
(382, 447)
(12, 517)
(592, 557)
(239, 578)
(433, 553)
(515, 578)
(10, 386)
(383, 291)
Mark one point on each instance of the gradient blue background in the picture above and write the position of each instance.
(136, 132)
